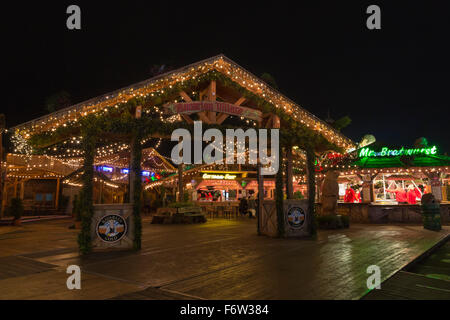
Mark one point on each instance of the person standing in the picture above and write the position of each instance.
(400, 195)
(251, 207)
(350, 195)
(411, 195)
(243, 205)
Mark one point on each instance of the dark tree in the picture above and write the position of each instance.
(341, 123)
(269, 79)
(57, 101)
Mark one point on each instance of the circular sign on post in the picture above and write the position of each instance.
(111, 228)
(296, 217)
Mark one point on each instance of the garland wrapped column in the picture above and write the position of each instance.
(260, 198)
(279, 199)
(136, 188)
(289, 174)
(310, 171)
(86, 194)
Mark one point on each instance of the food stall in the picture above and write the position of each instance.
(391, 182)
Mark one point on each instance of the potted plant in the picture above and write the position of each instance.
(16, 210)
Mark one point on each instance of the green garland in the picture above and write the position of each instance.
(119, 123)
(137, 187)
(279, 199)
(121, 119)
(310, 159)
(86, 195)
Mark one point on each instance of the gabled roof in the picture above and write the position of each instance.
(219, 63)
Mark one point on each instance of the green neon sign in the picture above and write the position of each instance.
(386, 152)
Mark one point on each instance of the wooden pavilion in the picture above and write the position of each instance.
(114, 128)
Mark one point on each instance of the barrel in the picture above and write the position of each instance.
(431, 214)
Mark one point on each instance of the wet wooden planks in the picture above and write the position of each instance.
(411, 286)
(15, 266)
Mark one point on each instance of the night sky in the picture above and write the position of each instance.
(393, 83)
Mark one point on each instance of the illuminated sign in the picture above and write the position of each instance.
(153, 176)
(106, 169)
(219, 176)
(386, 152)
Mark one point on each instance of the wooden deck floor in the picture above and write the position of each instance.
(428, 278)
(411, 286)
(222, 259)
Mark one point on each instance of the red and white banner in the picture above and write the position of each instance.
(215, 106)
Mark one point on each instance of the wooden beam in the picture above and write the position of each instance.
(275, 121)
(221, 118)
(240, 101)
(212, 116)
(268, 122)
(204, 117)
(212, 97)
(185, 96)
(212, 91)
(187, 118)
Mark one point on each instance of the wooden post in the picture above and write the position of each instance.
(15, 188)
(3, 199)
(100, 192)
(57, 194)
(260, 197)
(131, 172)
(1, 172)
(289, 174)
(212, 97)
(180, 182)
(311, 178)
(22, 189)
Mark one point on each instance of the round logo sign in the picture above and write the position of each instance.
(111, 228)
(296, 217)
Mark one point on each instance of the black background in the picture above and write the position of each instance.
(393, 82)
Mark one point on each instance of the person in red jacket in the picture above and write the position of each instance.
(420, 191)
(350, 195)
(358, 195)
(411, 195)
(400, 195)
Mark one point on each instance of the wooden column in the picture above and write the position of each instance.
(22, 189)
(212, 97)
(289, 174)
(3, 199)
(311, 178)
(1, 173)
(133, 148)
(180, 182)
(260, 198)
(15, 188)
(131, 172)
(57, 194)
